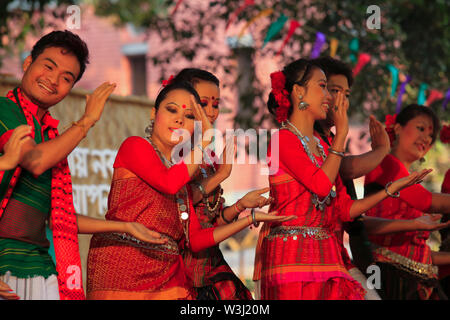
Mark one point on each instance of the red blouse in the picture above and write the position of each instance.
(413, 201)
(301, 258)
(137, 155)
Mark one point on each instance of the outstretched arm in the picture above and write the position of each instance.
(440, 258)
(427, 222)
(440, 202)
(360, 206)
(201, 239)
(252, 199)
(88, 225)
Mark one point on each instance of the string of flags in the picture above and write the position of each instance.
(359, 59)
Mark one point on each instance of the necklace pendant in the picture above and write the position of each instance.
(184, 215)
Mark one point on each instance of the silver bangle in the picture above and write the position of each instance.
(255, 223)
(341, 154)
(395, 195)
(202, 190)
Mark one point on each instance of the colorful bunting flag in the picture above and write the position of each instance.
(333, 46)
(354, 47)
(320, 41)
(421, 97)
(235, 14)
(275, 28)
(261, 14)
(400, 94)
(363, 59)
(294, 25)
(394, 78)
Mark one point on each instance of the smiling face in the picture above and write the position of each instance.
(174, 112)
(316, 95)
(209, 98)
(49, 78)
(415, 138)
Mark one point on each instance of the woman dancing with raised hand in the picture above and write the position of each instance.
(301, 259)
(211, 275)
(149, 188)
(408, 266)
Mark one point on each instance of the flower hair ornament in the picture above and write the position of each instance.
(165, 83)
(278, 81)
(390, 123)
(445, 134)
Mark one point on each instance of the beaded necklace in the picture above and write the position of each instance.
(205, 200)
(180, 196)
(321, 205)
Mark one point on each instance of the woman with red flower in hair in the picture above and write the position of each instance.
(301, 258)
(407, 264)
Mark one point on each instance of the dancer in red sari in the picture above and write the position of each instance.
(212, 276)
(408, 266)
(301, 259)
(149, 188)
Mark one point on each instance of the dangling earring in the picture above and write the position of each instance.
(302, 105)
(149, 129)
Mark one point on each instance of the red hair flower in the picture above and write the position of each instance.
(165, 83)
(445, 134)
(389, 123)
(278, 81)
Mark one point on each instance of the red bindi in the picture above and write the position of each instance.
(184, 106)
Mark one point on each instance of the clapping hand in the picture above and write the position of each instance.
(95, 102)
(378, 135)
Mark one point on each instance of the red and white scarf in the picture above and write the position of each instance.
(62, 212)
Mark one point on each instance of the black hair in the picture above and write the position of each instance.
(67, 40)
(297, 72)
(182, 85)
(414, 110)
(333, 66)
(194, 75)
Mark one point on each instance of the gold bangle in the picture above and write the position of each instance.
(82, 126)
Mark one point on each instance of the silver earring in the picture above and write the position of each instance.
(303, 105)
(149, 128)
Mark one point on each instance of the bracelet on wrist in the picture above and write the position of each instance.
(255, 223)
(236, 207)
(395, 195)
(82, 126)
(340, 154)
(222, 214)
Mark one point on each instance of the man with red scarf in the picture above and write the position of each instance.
(37, 194)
